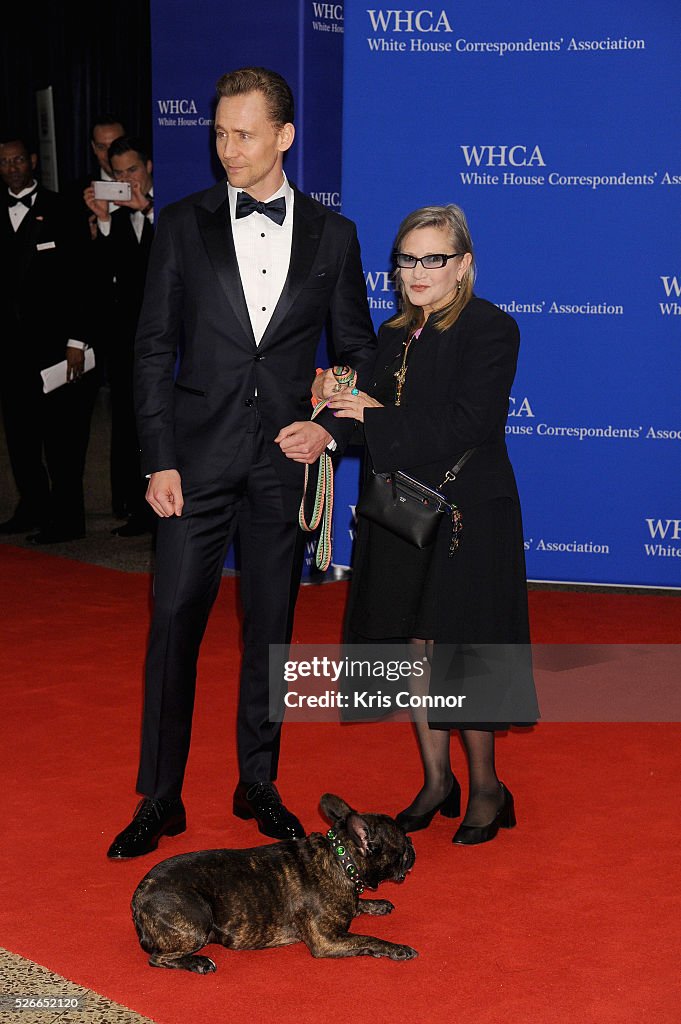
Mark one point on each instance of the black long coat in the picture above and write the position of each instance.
(455, 397)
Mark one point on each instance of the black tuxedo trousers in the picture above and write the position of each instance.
(47, 438)
(190, 554)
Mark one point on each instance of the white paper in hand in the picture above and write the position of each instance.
(55, 376)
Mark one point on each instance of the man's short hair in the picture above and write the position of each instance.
(274, 88)
(9, 135)
(127, 144)
(104, 119)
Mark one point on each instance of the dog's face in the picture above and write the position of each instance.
(384, 851)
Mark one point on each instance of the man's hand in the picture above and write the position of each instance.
(164, 493)
(303, 441)
(99, 207)
(137, 201)
(75, 363)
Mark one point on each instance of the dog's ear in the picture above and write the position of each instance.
(359, 831)
(334, 808)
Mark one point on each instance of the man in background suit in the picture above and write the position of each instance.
(97, 293)
(123, 245)
(241, 280)
(43, 326)
(105, 129)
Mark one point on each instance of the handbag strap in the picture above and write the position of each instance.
(452, 473)
(322, 508)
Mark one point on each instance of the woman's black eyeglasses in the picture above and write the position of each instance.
(433, 261)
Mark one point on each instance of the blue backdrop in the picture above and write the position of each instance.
(556, 128)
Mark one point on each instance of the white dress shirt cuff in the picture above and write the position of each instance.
(82, 345)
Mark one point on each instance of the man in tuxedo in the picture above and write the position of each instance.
(123, 244)
(105, 129)
(47, 434)
(242, 279)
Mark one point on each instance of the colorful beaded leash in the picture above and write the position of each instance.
(322, 509)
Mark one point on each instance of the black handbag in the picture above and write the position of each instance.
(409, 508)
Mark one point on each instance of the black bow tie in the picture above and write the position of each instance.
(276, 210)
(27, 200)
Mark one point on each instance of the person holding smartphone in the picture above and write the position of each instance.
(123, 245)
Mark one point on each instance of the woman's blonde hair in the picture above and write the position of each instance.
(453, 220)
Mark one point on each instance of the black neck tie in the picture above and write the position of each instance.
(27, 200)
(276, 210)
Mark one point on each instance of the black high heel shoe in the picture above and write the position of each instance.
(471, 835)
(450, 807)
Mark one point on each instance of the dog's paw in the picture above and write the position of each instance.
(202, 965)
(399, 952)
(381, 907)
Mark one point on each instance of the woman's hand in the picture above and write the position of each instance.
(351, 403)
(324, 384)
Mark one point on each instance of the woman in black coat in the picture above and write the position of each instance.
(445, 368)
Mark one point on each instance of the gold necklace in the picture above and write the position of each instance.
(401, 374)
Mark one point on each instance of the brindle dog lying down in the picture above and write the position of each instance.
(304, 890)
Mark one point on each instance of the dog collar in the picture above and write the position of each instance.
(345, 860)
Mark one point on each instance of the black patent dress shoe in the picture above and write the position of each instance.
(260, 800)
(471, 835)
(450, 807)
(18, 524)
(54, 535)
(152, 819)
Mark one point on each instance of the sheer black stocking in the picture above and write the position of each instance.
(433, 747)
(485, 795)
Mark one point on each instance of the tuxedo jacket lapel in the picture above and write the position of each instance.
(216, 230)
(26, 239)
(307, 232)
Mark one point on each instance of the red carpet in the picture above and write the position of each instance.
(571, 918)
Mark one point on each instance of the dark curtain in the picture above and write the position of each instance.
(96, 56)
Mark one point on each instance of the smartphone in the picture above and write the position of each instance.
(113, 191)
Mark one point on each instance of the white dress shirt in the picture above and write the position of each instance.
(18, 212)
(138, 218)
(263, 252)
